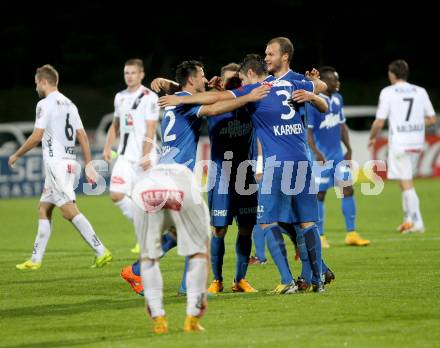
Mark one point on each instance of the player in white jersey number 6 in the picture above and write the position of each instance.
(58, 125)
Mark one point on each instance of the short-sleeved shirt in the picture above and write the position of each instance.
(180, 133)
(405, 106)
(133, 110)
(327, 126)
(278, 126)
(60, 119)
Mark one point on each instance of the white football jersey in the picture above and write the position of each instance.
(133, 110)
(59, 118)
(405, 105)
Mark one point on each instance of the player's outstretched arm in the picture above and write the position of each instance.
(33, 140)
(301, 96)
(223, 106)
(204, 98)
(161, 84)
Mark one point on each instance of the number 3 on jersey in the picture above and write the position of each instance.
(166, 134)
(286, 103)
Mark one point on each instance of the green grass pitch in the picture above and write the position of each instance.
(385, 295)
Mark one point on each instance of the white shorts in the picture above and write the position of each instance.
(402, 165)
(124, 175)
(59, 183)
(166, 196)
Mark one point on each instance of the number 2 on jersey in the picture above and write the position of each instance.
(410, 101)
(166, 134)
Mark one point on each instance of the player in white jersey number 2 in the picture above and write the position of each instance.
(166, 196)
(136, 117)
(58, 125)
(408, 109)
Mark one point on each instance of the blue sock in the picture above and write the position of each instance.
(260, 245)
(324, 267)
(136, 268)
(243, 247)
(217, 253)
(320, 222)
(182, 287)
(313, 245)
(168, 242)
(277, 248)
(306, 270)
(349, 211)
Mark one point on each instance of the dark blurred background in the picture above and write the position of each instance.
(89, 43)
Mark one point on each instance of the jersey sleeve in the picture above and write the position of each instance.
(243, 90)
(427, 105)
(384, 106)
(306, 85)
(116, 104)
(195, 109)
(342, 118)
(313, 115)
(152, 108)
(77, 118)
(41, 116)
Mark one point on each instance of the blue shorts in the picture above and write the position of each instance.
(329, 177)
(289, 199)
(225, 203)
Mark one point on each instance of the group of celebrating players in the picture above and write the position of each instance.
(266, 125)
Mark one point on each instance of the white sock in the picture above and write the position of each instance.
(153, 287)
(414, 208)
(126, 206)
(43, 235)
(405, 204)
(86, 230)
(196, 279)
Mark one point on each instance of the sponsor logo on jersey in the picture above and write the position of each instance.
(155, 200)
(117, 180)
(330, 121)
(236, 129)
(70, 150)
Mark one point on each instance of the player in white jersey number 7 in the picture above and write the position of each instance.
(58, 125)
(408, 109)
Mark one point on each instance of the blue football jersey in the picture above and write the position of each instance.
(292, 76)
(180, 129)
(278, 126)
(326, 126)
(231, 131)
